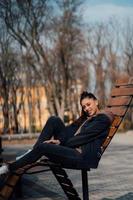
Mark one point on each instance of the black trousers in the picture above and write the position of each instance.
(54, 127)
(57, 153)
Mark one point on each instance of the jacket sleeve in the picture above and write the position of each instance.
(90, 131)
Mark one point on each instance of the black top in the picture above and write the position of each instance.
(94, 128)
(91, 137)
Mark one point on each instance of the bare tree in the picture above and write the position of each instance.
(127, 57)
(56, 44)
(9, 80)
(104, 48)
(66, 57)
(96, 58)
(128, 51)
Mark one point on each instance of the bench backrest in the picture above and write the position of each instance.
(119, 102)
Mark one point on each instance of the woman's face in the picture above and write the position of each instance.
(89, 106)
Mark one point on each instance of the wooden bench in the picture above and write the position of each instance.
(119, 102)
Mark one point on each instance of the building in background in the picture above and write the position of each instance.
(33, 111)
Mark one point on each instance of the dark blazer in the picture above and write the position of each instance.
(91, 137)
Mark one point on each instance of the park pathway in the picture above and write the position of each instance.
(113, 180)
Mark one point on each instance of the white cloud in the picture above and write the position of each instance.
(106, 11)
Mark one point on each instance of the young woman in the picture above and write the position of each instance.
(75, 146)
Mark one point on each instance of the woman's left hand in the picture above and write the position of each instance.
(52, 141)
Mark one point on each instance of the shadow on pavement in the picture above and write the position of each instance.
(128, 196)
(32, 190)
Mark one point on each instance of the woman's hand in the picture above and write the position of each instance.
(52, 141)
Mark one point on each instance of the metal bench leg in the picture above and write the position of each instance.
(18, 189)
(85, 186)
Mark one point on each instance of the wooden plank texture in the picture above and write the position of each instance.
(119, 111)
(112, 131)
(122, 92)
(6, 191)
(124, 81)
(116, 121)
(119, 101)
(106, 143)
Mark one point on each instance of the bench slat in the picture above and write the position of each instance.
(118, 111)
(119, 101)
(106, 143)
(6, 190)
(122, 92)
(124, 81)
(112, 131)
(116, 121)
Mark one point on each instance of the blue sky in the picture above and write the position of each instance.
(103, 10)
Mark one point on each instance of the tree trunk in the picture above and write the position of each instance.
(6, 116)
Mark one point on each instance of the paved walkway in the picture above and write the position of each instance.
(113, 180)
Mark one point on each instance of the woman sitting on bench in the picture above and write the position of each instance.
(76, 145)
